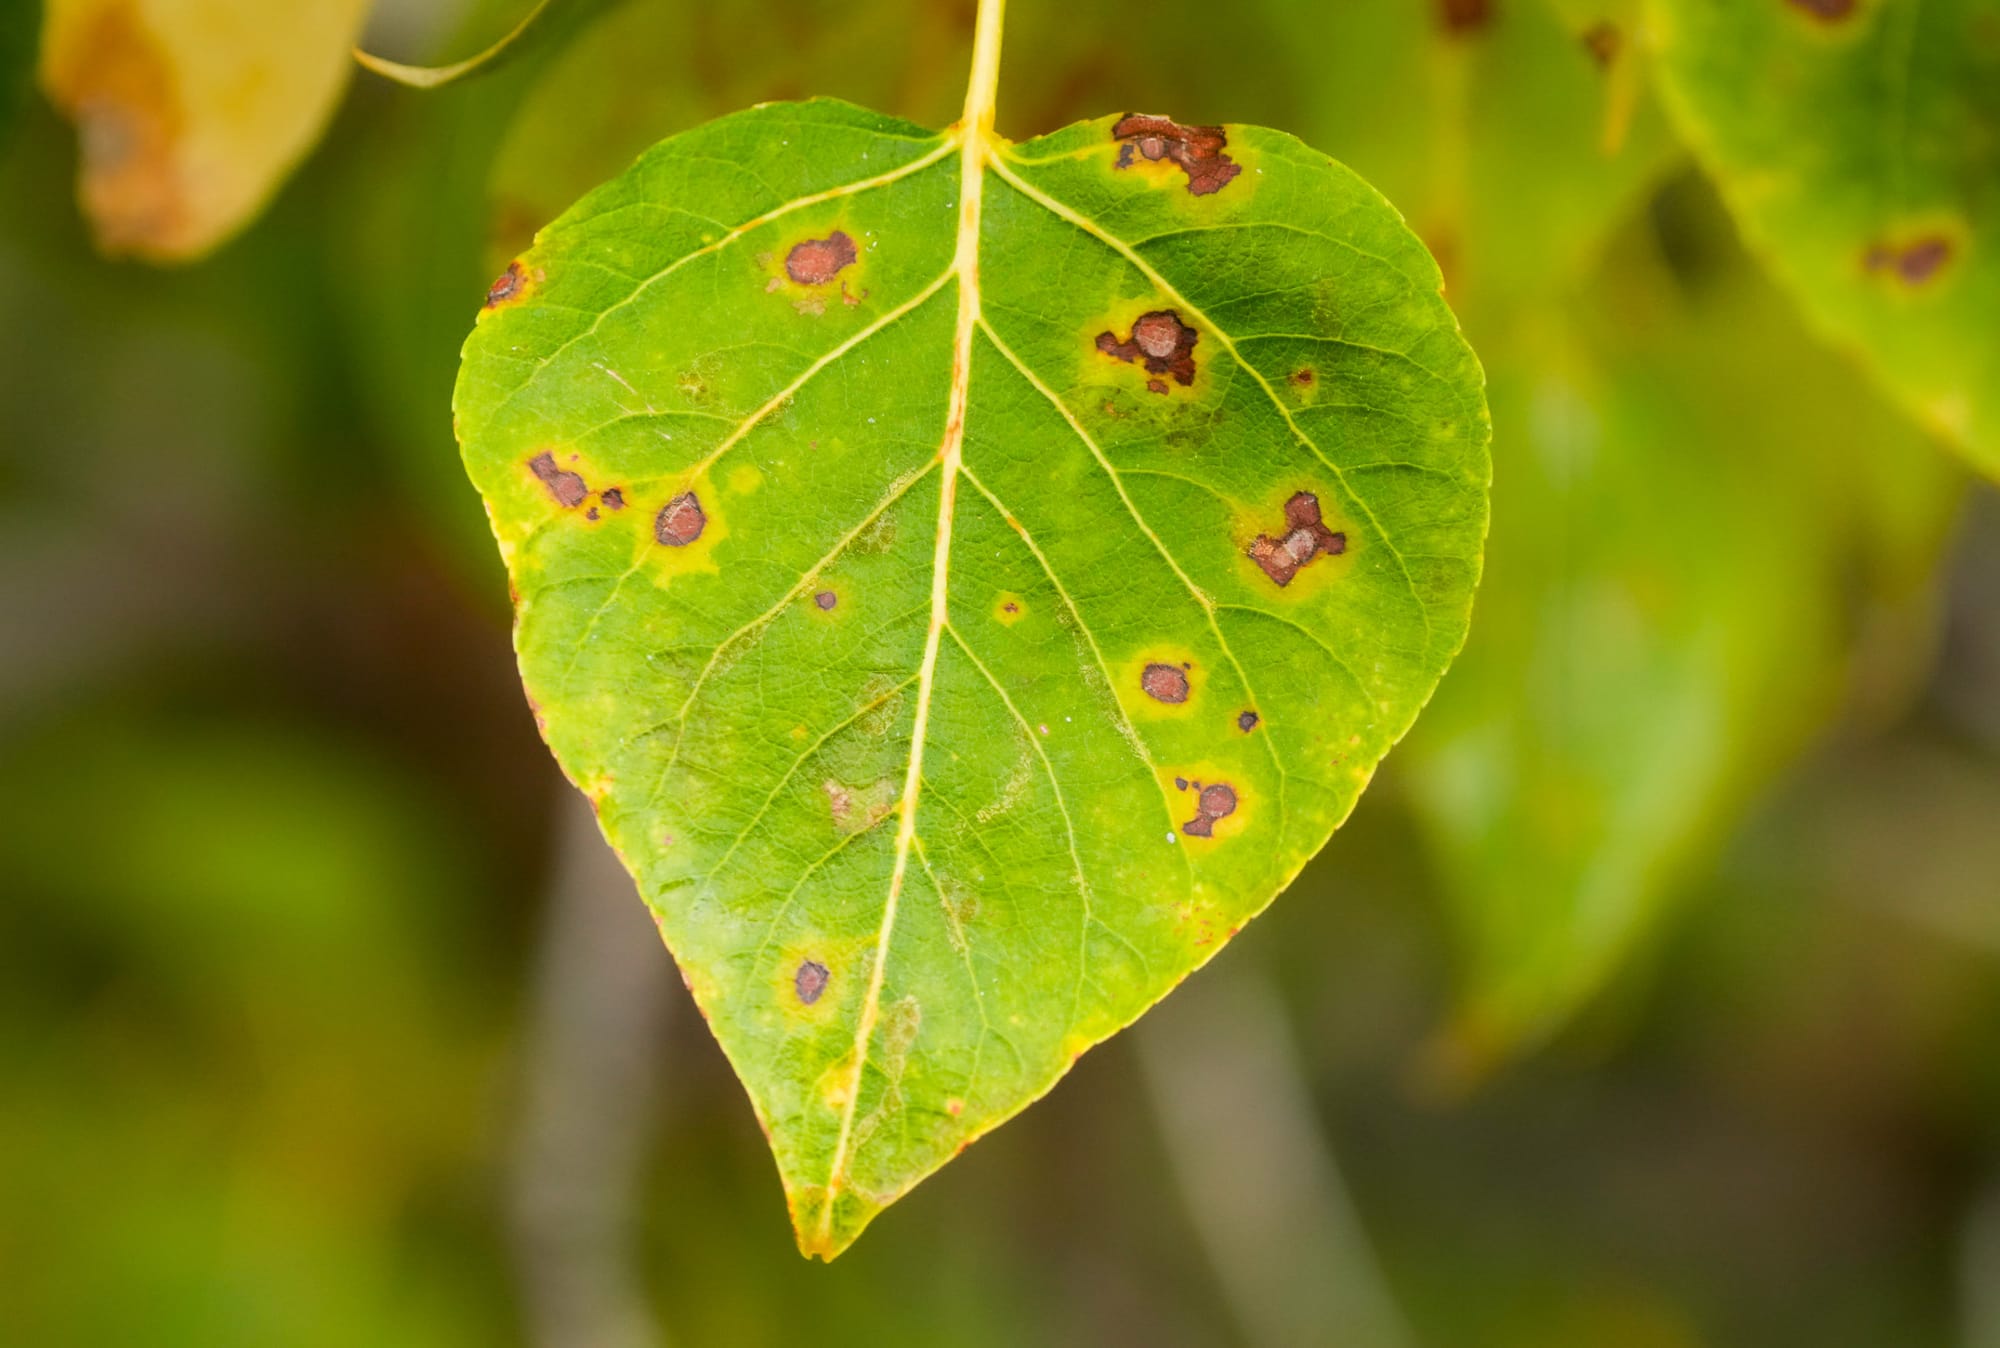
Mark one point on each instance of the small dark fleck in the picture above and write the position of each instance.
(826, 599)
(1246, 721)
(612, 499)
(1305, 538)
(568, 488)
(1160, 342)
(1302, 378)
(816, 261)
(1197, 149)
(1164, 683)
(680, 521)
(810, 981)
(1180, 783)
(1010, 607)
(591, 513)
(508, 286)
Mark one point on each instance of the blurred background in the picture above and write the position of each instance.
(1648, 999)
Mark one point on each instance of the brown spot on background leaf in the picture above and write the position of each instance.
(1197, 149)
(817, 261)
(1826, 11)
(1603, 40)
(568, 488)
(1915, 262)
(1305, 538)
(613, 498)
(826, 599)
(1247, 721)
(810, 981)
(1160, 342)
(680, 521)
(1164, 683)
(1460, 17)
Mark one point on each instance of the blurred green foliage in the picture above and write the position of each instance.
(1705, 810)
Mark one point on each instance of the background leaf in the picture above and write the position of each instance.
(1857, 142)
(190, 113)
(1212, 543)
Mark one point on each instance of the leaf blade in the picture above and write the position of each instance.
(1039, 694)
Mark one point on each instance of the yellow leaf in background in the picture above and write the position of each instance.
(191, 112)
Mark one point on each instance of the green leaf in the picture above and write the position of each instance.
(1707, 539)
(1858, 144)
(970, 579)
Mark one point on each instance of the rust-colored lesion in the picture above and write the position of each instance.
(680, 521)
(1160, 343)
(511, 286)
(567, 487)
(1603, 41)
(1165, 683)
(814, 262)
(1461, 18)
(1216, 801)
(1198, 150)
(809, 983)
(1305, 539)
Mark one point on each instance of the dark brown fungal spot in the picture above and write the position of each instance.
(826, 599)
(1214, 803)
(612, 499)
(816, 261)
(507, 287)
(810, 981)
(1197, 149)
(1826, 11)
(568, 488)
(1180, 783)
(1603, 40)
(1460, 17)
(1302, 378)
(1246, 721)
(1164, 683)
(1305, 538)
(1160, 342)
(591, 513)
(1915, 262)
(1010, 607)
(680, 521)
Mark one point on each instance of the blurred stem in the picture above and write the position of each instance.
(594, 1041)
(1254, 1168)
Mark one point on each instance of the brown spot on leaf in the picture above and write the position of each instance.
(1826, 11)
(1160, 342)
(1214, 803)
(1461, 17)
(816, 261)
(826, 599)
(1197, 149)
(612, 498)
(1915, 262)
(568, 488)
(1164, 683)
(810, 981)
(1603, 40)
(1305, 538)
(1246, 721)
(1302, 378)
(680, 521)
(508, 286)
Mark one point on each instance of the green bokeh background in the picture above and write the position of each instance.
(1648, 999)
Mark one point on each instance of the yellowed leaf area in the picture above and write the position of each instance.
(191, 112)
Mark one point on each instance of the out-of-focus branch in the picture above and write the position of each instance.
(1254, 1168)
(591, 1077)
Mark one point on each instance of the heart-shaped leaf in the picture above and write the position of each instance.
(1858, 143)
(970, 579)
